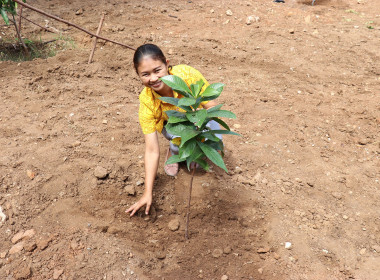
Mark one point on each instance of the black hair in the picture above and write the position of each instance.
(148, 50)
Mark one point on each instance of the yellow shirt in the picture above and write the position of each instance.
(152, 110)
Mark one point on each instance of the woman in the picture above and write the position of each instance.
(150, 65)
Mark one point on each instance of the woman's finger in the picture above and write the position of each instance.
(147, 209)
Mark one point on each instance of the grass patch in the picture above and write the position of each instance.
(11, 49)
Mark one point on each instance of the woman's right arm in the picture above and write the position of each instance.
(152, 156)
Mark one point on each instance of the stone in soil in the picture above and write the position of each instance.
(100, 172)
(130, 189)
(224, 277)
(227, 250)
(217, 253)
(174, 224)
(29, 234)
(263, 250)
(17, 237)
(23, 273)
(43, 244)
(57, 273)
(16, 248)
(30, 246)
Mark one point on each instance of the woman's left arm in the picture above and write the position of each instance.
(210, 104)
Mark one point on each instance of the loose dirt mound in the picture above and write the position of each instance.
(304, 82)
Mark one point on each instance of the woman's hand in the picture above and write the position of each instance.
(146, 199)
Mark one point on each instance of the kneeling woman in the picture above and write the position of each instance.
(150, 65)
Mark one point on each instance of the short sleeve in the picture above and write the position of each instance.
(146, 119)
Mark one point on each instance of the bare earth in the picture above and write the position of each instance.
(305, 84)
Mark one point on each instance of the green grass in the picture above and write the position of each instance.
(11, 49)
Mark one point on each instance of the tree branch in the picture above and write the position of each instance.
(70, 24)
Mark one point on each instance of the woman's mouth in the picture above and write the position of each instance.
(156, 84)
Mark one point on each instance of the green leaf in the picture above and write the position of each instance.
(179, 128)
(197, 87)
(177, 84)
(5, 16)
(185, 101)
(222, 113)
(174, 119)
(213, 89)
(188, 148)
(222, 123)
(197, 117)
(210, 136)
(174, 159)
(187, 135)
(203, 164)
(175, 113)
(170, 100)
(224, 132)
(197, 153)
(215, 108)
(213, 155)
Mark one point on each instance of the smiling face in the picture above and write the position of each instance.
(150, 70)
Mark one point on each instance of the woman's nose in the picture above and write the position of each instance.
(153, 78)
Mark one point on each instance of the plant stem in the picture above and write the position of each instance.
(19, 37)
(19, 19)
(188, 204)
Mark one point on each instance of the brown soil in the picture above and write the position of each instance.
(305, 84)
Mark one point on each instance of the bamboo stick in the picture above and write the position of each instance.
(96, 39)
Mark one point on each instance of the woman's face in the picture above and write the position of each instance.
(150, 70)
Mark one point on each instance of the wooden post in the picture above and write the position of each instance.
(19, 20)
(96, 39)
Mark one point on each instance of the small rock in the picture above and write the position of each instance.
(76, 144)
(3, 217)
(29, 234)
(217, 253)
(79, 12)
(236, 125)
(31, 174)
(30, 246)
(224, 277)
(288, 245)
(23, 273)
(104, 121)
(251, 19)
(113, 230)
(260, 270)
(17, 237)
(337, 195)
(170, 51)
(291, 31)
(140, 183)
(130, 189)
(16, 248)
(376, 248)
(43, 244)
(363, 251)
(229, 13)
(263, 250)
(57, 273)
(174, 224)
(3, 255)
(161, 255)
(276, 256)
(100, 172)
(227, 250)
(308, 19)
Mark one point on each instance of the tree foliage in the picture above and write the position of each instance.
(8, 6)
(190, 121)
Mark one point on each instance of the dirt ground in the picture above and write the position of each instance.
(304, 82)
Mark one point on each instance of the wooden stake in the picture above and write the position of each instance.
(188, 205)
(19, 20)
(96, 39)
(70, 24)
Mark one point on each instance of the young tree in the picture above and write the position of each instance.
(198, 141)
